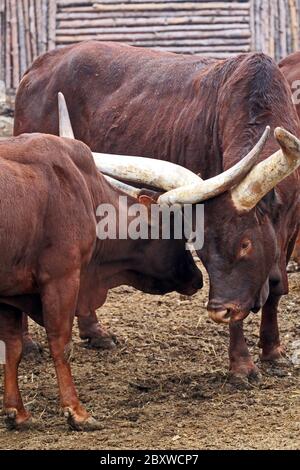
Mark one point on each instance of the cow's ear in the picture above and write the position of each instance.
(147, 200)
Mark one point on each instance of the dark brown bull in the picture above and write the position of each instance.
(205, 115)
(52, 264)
(290, 67)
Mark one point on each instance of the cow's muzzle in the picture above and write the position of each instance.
(226, 314)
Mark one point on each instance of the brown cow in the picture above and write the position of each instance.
(204, 114)
(290, 67)
(52, 263)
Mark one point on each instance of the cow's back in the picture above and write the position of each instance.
(120, 98)
(202, 113)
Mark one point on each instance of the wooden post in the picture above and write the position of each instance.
(22, 40)
(272, 13)
(8, 58)
(44, 25)
(294, 24)
(27, 32)
(15, 44)
(51, 24)
(38, 16)
(33, 35)
(2, 41)
(282, 29)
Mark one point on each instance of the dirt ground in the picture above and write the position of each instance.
(165, 386)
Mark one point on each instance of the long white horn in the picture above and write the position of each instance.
(268, 173)
(191, 194)
(157, 173)
(65, 126)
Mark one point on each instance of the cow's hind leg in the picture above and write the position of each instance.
(269, 332)
(98, 337)
(241, 364)
(59, 302)
(11, 335)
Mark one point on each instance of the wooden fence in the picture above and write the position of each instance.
(275, 26)
(27, 29)
(208, 28)
(30, 27)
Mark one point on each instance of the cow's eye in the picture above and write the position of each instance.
(246, 247)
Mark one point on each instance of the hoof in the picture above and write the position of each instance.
(276, 362)
(18, 421)
(276, 355)
(108, 342)
(100, 339)
(31, 349)
(87, 424)
(244, 375)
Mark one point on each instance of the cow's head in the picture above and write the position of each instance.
(242, 257)
(243, 253)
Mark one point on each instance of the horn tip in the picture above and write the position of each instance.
(282, 136)
(287, 141)
(60, 96)
(279, 132)
(267, 132)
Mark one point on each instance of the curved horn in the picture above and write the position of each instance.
(65, 126)
(191, 194)
(156, 173)
(268, 173)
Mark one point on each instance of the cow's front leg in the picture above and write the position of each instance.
(30, 347)
(98, 337)
(59, 302)
(269, 332)
(240, 361)
(11, 335)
